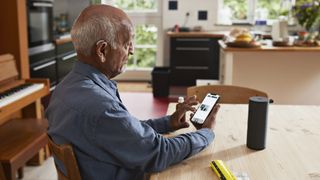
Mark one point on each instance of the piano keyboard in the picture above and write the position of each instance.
(18, 92)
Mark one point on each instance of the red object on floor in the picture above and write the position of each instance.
(144, 106)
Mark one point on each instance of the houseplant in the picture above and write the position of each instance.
(307, 14)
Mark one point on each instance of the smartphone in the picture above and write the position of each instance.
(205, 108)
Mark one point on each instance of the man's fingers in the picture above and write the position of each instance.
(184, 108)
(215, 110)
(184, 125)
(192, 100)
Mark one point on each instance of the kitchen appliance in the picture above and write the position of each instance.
(280, 30)
(40, 25)
(42, 55)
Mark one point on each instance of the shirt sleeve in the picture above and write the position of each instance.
(125, 141)
(160, 125)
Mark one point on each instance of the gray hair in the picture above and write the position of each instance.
(85, 34)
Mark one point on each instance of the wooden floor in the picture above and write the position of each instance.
(134, 87)
(138, 99)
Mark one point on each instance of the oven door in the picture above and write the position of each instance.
(40, 30)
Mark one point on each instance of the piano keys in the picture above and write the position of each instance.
(18, 92)
(15, 93)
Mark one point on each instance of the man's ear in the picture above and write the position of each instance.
(102, 50)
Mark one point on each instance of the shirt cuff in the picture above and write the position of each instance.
(200, 140)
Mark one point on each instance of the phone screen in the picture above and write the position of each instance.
(205, 108)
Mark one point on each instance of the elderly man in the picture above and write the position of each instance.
(86, 110)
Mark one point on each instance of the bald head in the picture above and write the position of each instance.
(102, 10)
(99, 22)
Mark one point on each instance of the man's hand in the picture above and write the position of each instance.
(210, 122)
(178, 120)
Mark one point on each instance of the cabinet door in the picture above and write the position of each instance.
(66, 58)
(64, 48)
(193, 58)
(65, 64)
(43, 65)
(45, 69)
(190, 51)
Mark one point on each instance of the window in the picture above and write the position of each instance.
(137, 5)
(146, 16)
(246, 11)
(145, 47)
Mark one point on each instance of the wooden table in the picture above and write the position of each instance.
(292, 151)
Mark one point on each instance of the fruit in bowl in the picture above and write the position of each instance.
(244, 37)
(244, 40)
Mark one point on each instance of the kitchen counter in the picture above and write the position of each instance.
(208, 34)
(63, 39)
(290, 75)
(269, 48)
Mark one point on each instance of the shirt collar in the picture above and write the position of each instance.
(95, 75)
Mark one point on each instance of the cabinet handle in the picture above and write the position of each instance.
(69, 56)
(44, 65)
(193, 67)
(193, 39)
(192, 49)
(42, 4)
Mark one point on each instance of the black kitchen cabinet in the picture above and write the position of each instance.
(43, 65)
(66, 56)
(193, 58)
(54, 63)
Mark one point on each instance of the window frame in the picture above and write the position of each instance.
(252, 6)
(144, 17)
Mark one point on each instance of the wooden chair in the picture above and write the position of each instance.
(66, 155)
(228, 94)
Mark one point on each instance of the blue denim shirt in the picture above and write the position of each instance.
(108, 141)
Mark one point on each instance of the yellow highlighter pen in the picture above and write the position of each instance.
(222, 171)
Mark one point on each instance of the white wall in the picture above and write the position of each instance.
(172, 17)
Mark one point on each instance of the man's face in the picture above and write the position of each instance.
(117, 59)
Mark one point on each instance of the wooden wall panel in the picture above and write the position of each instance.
(13, 33)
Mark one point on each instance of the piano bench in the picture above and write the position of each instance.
(20, 140)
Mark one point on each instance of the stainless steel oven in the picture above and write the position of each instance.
(40, 25)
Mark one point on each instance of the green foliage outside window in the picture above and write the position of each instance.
(146, 57)
(136, 4)
(239, 8)
(95, 1)
(274, 7)
(145, 35)
(145, 47)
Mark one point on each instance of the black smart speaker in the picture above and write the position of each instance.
(257, 122)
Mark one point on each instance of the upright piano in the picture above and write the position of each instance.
(22, 127)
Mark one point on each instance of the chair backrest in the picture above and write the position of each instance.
(228, 94)
(2, 173)
(66, 155)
